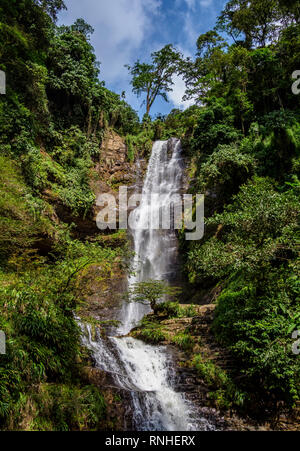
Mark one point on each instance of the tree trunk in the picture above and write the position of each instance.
(153, 306)
(148, 101)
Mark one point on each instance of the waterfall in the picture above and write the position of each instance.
(155, 250)
(147, 372)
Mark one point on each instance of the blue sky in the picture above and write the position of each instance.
(127, 30)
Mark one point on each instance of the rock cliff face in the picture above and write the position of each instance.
(113, 167)
(112, 170)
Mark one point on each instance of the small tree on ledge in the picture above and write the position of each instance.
(150, 292)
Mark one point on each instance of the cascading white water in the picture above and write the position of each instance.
(147, 371)
(155, 250)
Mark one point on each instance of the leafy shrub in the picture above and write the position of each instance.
(150, 331)
(21, 222)
(214, 127)
(275, 144)
(76, 192)
(152, 335)
(224, 171)
(140, 144)
(174, 310)
(255, 319)
(170, 309)
(257, 228)
(67, 407)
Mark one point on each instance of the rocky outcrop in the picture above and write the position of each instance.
(102, 291)
(114, 170)
(113, 167)
(111, 170)
(118, 412)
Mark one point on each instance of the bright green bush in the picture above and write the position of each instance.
(170, 309)
(258, 228)
(174, 310)
(67, 408)
(184, 341)
(215, 126)
(150, 331)
(255, 319)
(152, 335)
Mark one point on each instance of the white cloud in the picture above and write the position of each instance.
(120, 26)
(206, 3)
(191, 32)
(178, 92)
(126, 30)
(191, 4)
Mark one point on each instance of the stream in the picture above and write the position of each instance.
(147, 372)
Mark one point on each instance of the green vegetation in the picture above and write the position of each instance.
(242, 138)
(243, 141)
(151, 334)
(56, 110)
(174, 310)
(244, 145)
(38, 299)
(151, 292)
(63, 408)
(224, 394)
(150, 331)
(52, 121)
(184, 341)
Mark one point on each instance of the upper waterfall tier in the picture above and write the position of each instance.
(155, 249)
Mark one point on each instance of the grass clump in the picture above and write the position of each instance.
(224, 393)
(150, 331)
(56, 407)
(184, 341)
(175, 310)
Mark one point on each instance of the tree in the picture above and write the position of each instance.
(82, 27)
(155, 79)
(51, 6)
(151, 292)
(291, 9)
(208, 67)
(257, 21)
(73, 74)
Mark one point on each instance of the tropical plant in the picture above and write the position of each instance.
(151, 292)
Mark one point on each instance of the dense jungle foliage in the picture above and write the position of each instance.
(242, 139)
(52, 120)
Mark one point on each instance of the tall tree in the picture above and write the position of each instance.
(207, 67)
(255, 22)
(155, 79)
(52, 7)
(291, 8)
